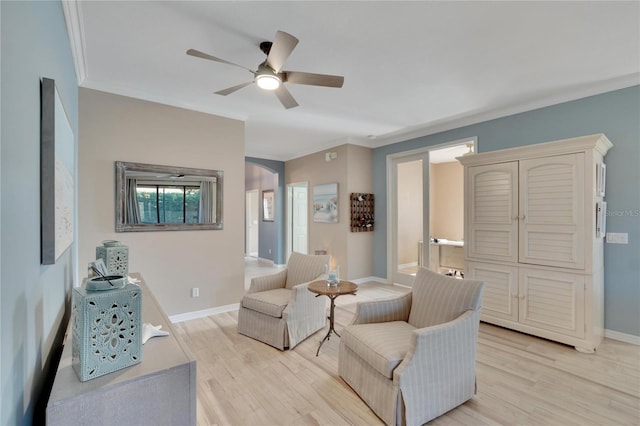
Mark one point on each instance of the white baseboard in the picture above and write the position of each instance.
(622, 337)
(609, 334)
(368, 279)
(408, 265)
(204, 313)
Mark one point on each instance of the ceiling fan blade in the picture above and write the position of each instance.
(198, 54)
(283, 45)
(230, 90)
(312, 79)
(285, 97)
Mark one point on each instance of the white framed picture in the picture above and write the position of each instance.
(325, 203)
(601, 179)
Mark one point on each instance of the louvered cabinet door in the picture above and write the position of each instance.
(500, 294)
(492, 215)
(551, 212)
(552, 300)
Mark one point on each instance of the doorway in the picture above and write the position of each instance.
(408, 178)
(297, 218)
(252, 212)
(413, 181)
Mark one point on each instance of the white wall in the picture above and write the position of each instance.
(116, 128)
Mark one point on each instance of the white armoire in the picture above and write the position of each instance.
(534, 236)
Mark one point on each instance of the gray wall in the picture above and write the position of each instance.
(617, 115)
(32, 297)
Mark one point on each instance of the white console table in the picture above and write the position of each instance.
(161, 390)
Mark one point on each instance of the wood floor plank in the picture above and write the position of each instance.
(522, 379)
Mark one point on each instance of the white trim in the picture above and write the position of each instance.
(622, 337)
(369, 279)
(573, 94)
(289, 217)
(204, 313)
(75, 28)
(401, 285)
(392, 162)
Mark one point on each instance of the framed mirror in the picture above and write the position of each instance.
(165, 198)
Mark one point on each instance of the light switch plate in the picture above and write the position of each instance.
(617, 238)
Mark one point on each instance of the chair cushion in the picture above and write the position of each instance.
(381, 345)
(270, 302)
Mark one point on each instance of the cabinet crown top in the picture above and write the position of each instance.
(597, 142)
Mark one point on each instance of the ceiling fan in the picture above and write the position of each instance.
(269, 75)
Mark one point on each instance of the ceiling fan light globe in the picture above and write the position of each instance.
(267, 81)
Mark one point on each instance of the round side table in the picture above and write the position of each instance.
(332, 292)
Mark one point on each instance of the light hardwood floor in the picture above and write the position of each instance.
(522, 380)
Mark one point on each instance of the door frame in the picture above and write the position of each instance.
(289, 216)
(393, 160)
(392, 202)
(250, 210)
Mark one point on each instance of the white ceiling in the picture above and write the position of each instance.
(410, 68)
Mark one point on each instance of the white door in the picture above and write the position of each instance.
(551, 212)
(251, 223)
(552, 300)
(408, 196)
(493, 212)
(500, 295)
(297, 218)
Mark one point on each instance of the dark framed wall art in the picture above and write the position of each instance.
(57, 181)
(268, 206)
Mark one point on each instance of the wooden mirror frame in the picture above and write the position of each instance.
(121, 200)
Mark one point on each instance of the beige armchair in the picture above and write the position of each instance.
(279, 310)
(413, 358)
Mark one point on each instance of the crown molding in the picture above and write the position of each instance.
(75, 28)
(559, 97)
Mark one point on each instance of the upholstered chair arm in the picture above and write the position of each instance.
(439, 367)
(268, 282)
(303, 311)
(392, 309)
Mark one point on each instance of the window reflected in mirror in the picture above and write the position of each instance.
(166, 198)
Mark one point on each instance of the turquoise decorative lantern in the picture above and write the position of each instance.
(115, 256)
(106, 329)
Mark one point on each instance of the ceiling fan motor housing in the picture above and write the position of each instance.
(265, 46)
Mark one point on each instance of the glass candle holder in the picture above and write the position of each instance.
(333, 276)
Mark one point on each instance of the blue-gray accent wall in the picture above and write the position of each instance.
(32, 297)
(272, 234)
(617, 115)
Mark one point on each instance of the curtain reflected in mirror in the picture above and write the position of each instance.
(166, 198)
